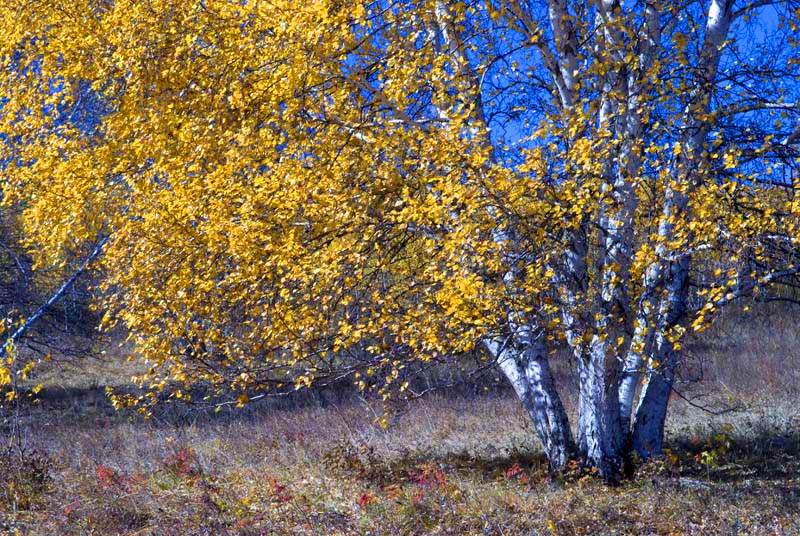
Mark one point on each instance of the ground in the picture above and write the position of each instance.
(449, 464)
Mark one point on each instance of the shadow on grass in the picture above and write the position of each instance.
(697, 461)
(769, 454)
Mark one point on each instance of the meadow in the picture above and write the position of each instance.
(462, 461)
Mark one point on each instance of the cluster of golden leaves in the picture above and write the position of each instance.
(266, 206)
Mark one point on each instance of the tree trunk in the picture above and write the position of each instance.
(640, 346)
(627, 389)
(529, 373)
(648, 428)
(601, 437)
(62, 290)
(651, 414)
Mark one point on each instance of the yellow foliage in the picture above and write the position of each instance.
(287, 183)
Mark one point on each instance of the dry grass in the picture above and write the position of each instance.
(448, 465)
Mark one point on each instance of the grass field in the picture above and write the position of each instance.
(449, 464)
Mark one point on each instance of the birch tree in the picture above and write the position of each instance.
(296, 194)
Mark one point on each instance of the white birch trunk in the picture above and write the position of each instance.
(602, 441)
(30, 321)
(524, 360)
(648, 428)
(651, 414)
(529, 373)
(630, 159)
(640, 346)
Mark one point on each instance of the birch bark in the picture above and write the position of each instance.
(648, 427)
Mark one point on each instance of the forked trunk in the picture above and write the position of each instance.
(601, 438)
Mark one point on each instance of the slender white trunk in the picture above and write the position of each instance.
(62, 290)
(639, 347)
(528, 371)
(524, 359)
(648, 428)
(631, 376)
(651, 414)
(620, 241)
